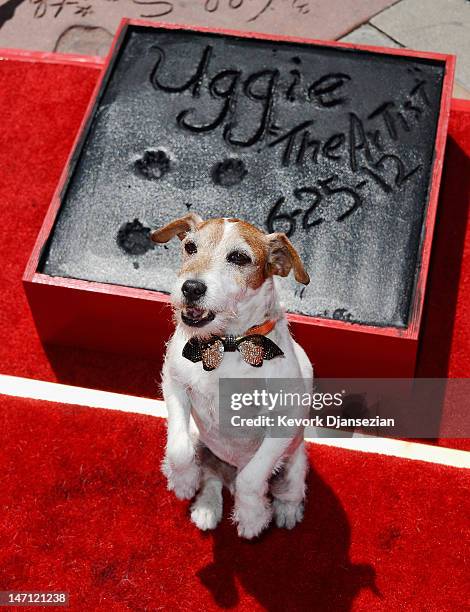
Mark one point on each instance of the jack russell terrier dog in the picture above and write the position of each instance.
(229, 319)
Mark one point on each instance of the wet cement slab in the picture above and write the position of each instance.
(332, 146)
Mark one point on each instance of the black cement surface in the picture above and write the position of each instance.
(332, 146)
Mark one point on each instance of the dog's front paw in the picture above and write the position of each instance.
(287, 514)
(252, 514)
(206, 515)
(184, 481)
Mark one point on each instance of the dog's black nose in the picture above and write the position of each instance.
(193, 290)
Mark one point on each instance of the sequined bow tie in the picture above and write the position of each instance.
(254, 348)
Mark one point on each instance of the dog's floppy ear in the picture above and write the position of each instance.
(282, 257)
(178, 227)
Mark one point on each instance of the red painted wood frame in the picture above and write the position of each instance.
(138, 322)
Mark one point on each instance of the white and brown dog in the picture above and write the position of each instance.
(226, 291)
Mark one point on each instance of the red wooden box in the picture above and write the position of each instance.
(138, 322)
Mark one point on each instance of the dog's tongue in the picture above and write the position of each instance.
(195, 313)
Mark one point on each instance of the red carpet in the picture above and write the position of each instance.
(85, 510)
(42, 106)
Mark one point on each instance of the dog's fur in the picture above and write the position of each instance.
(267, 476)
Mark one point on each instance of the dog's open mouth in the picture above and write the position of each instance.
(196, 317)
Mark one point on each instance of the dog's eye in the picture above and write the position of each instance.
(238, 258)
(190, 248)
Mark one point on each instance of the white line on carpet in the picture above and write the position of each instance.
(67, 394)
(81, 396)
